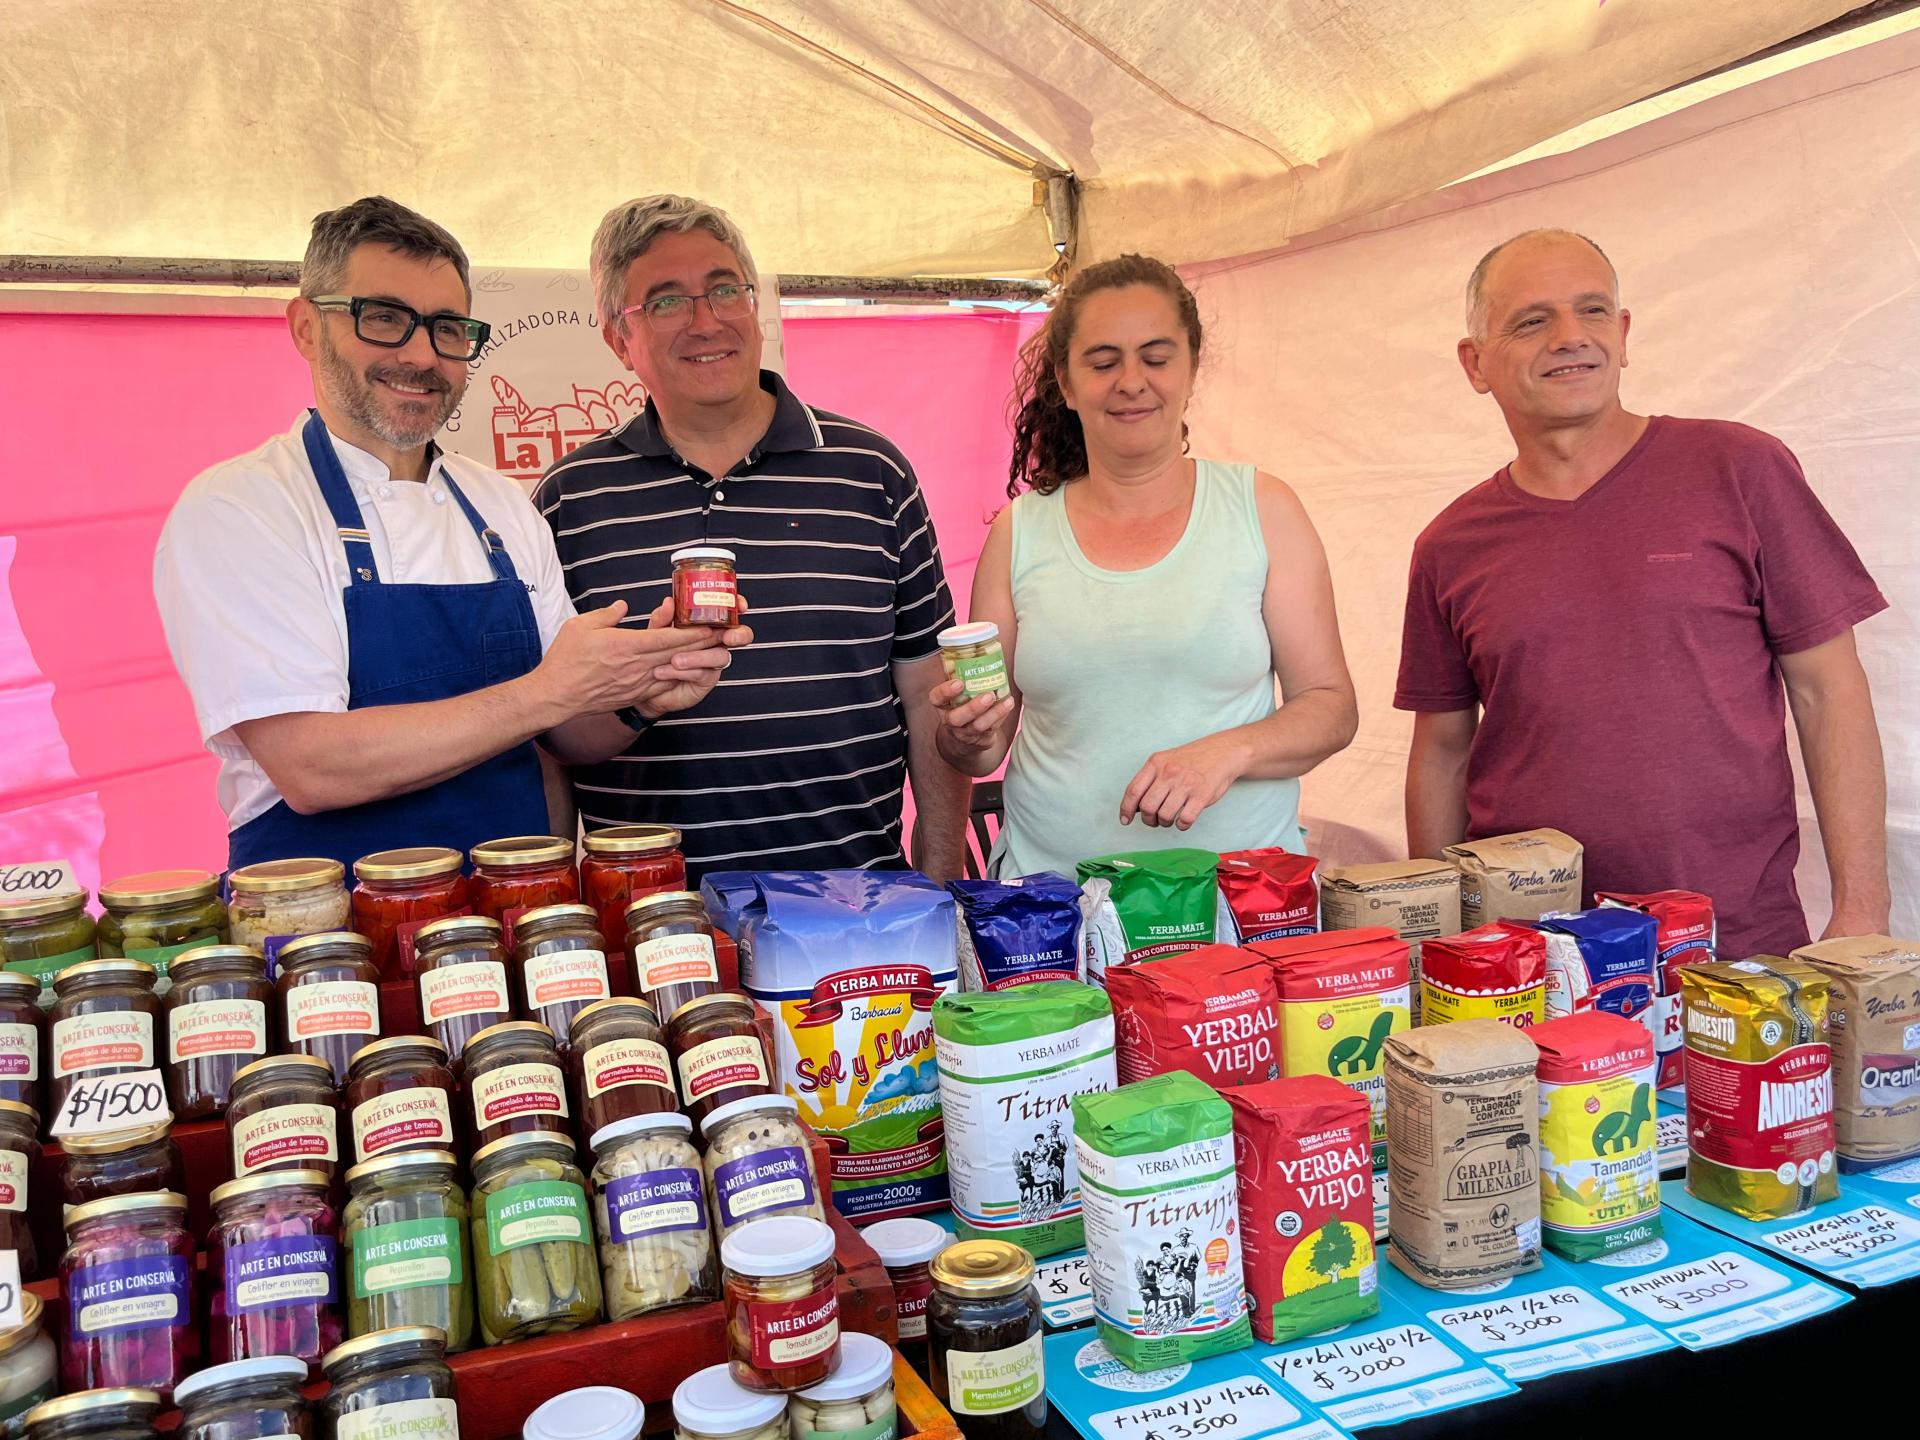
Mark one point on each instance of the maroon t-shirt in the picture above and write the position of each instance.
(1622, 647)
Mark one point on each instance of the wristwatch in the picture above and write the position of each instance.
(630, 716)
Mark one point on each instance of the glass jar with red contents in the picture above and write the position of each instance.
(618, 1064)
(623, 863)
(329, 997)
(670, 947)
(23, 1040)
(717, 1052)
(273, 1269)
(104, 1022)
(783, 1315)
(560, 966)
(514, 1082)
(400, 1097)
(128, 1281)
(705, 590)
(519, 874)
(395, 892)
(461, 969)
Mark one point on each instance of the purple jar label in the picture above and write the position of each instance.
(142, 1294)
(655, 1203)
(754, 1184)
(291, 1270)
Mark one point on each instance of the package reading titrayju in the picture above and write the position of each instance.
(1144, 904)
(1601, 960)
(1494, 972)
(1687, 935)
(1341, 995)
(1212, 1012)
(1017, 932)
(1874, 1014)
(1267, 895)
(1599, 1163)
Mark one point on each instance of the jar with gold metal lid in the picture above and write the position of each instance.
(410, 1259)
(329, 997)
(670, 946)
(41, 935)
(273, 1268)
(717, 1051)
(521, 873)
(391, 1383)
(120, 1162)
(125, 1413)
(624, 863)
(983, 1332)
(105, 1021)
(560, 965)
(400, 1097)
(23, 1040)
(461, 971)
(275, 901)
(219, 1018)
(158, 915)
(395, 892)
(618, 1064)
(536, 1270)
(283, 1113)
(29, 1364)
(514, 1081)
(128, 1282)
(19, 1151)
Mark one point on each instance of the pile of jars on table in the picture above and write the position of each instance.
(545, 1155)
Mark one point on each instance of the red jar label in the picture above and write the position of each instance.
(788, 1332)
(910, 1299)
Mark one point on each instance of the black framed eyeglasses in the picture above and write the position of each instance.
(667, 313)
(391, 324)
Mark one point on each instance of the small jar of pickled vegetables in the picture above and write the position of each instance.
(533, 1253)
(783, 1313)
(41, 935)
(405, 1227)
(273, 1262)
(650, 1207)
(622, 863)
(128, 1281)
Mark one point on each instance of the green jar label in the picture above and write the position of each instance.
(406, 1255)
(992, 1382)
(982, 674)
(48, 966)
(162, 956)
(11, 1408)
(536, 1213)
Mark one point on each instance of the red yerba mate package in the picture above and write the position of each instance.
(1213, 1012)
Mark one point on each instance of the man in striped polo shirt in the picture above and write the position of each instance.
(800, 757)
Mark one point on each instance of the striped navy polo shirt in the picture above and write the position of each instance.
(797, 760)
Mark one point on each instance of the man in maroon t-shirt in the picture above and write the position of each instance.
(1596, 637)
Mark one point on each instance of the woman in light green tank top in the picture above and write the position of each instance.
(1147, 603)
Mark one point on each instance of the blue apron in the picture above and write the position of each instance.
(405, 644)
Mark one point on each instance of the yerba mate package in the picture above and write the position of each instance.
(1517, 877)
(1601, 960)
(1144, 904)
(1416, 899)
(1267, 895)
(1686, 935)
(1010, 1064)
(1305, 1157)
(1163, 1221)
(1760, 1139)
(1493, 972)
(1212, 1012)
(1874, 1017)
(1599, 1160)
(1014, 932)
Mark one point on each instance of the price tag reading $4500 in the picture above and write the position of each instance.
(113, 1102)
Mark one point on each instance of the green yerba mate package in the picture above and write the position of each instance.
(1144, 904)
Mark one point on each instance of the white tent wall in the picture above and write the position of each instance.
(1768, 243)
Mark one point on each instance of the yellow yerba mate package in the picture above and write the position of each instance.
(1599, 1160)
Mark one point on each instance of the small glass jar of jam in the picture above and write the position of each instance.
(104, 1022)
(783, 1313)
(329, 997)
(983, 1330)
(392, 1383)
(128, 1281)
(670, 946)
(717, 1053)
(41, 935)
(123, 1413)
(622, 863)
(29, 1365)
(514, 1081)
(120, 1162)
(521, 873)
(972, 655)
(283, 1113)
(246, 1400)
(19, 1151)
(400, 1097)
(395, 892)
(23, 1034)
(618, 1064)
(218, 1020)
(560, 966)
(461, 968)
(906, 1246)
(158, 915)
(705, 588)
(273, 1268)
(280, 900)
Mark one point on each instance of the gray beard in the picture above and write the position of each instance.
(353, 393)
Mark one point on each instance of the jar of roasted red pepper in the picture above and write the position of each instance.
(19, 1150)
(329, 997)
(621, 864)
(514, 1081)
(120, 1162)
(461, 968)
(273, 1263)
(128, 1281)
(717, 1053)
(400, 1097)
(670, 946)
(519, 874)
(705, 591)
(618, 1064)
(283, 1113)
(395, 892)
(218, 1019)
(560, 965)
(783, 1315)
(23, 1032)
(103, 1023)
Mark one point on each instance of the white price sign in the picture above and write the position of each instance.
(10, 1290)
(1681, 1292)
(1536, 1319)
(113, 1102)
(1066, 1295)
(36, 879)
(1846, 1236)
(1236, 1409)
(1328, 1370)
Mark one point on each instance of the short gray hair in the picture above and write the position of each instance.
(628, 229)
(1476, 283)
(373, 220)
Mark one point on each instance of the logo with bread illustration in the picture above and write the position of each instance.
(1359, 1054)
(527, 439)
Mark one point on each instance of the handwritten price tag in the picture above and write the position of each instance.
(1231, 1410)
(1494, 1325)
(36, 879)
(1326, 1370)
(113, 1102)
(1066, 1295)
(1682, 1292)
(10, 1290)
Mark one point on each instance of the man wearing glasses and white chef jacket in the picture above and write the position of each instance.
(376, 633)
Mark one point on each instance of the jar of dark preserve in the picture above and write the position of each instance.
(462, 971)
(104, 1022)
(522, 873)
(23, 1033)
(329, 997)
(983, 1332)
(392, 1382)
(618, 1064)
(514, 1081)
(125, 1413)
(622, 864)
(670, 946)
(219, 1018)
(400, 1097)
(395, 892)
(717, 1052)
(560, 965)
(245, 1400)
(283, 1113)
(120, 1162)
(19, 1151)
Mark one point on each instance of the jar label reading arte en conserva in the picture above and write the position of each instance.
(722, 1064)
(333, 1007)
(674, 960)
(473, 987)
(216, 1027)
(535, 1088)
(787, 1332)
(283, 1133)
(19, 1052)
(563, 975)
(419, 1117)
(404, 1420)
(406, 1255)
(655, 1203)
(991, 1382)
(627, 1062)
(99, 1042)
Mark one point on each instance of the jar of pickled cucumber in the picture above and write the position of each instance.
(405, 1231)
(41, 935)
(158, 915)
(534, 1264)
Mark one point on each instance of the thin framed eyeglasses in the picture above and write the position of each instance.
(391, 324)
(667, 313)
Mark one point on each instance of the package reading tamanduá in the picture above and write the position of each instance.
(1010, 1064)
(1599, 1160)
(1267, 895)
(1144, 904)
(1017, 932)
(1162, 1221)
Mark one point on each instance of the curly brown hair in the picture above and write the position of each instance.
(1049, 447)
